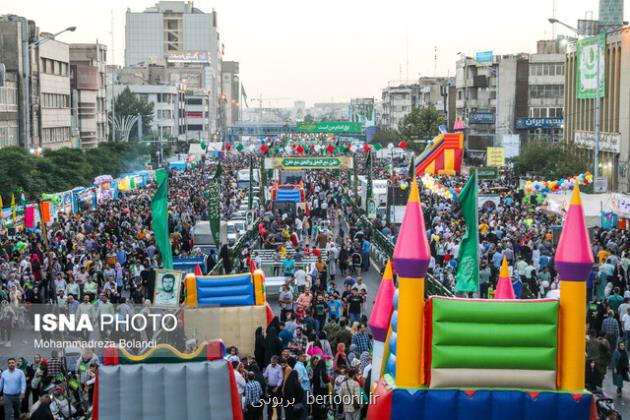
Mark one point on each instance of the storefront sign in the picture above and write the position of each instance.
(190, 57)
(527, 123)
(608, 142)
(481, 118)
(297, 163)
(329, 127)
(483, 57)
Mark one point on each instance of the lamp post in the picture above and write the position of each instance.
(598, 102)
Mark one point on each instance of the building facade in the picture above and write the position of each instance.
(399, 99)
(231, 93)
(491, 96)
(9, 112)
(610, 14)
(52, 121)
(178, 35)
(89, 93)
(545, 115)
(579, 121)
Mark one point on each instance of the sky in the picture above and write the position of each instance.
(330, 50)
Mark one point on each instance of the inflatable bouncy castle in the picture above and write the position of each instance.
(443, 155)
(454, 358)
(229, 307)
(165, 384)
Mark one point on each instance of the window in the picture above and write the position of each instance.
(546, 91)
(194, 127)
(194, 101)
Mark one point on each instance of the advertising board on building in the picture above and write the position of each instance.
(608, 142)
(190, 57)
(297, 163)
(329, 127)
(511, 145)
(528, 123)
(481, 118)
(483, 57)
(84, 77)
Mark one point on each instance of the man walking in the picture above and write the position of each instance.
(13, 386)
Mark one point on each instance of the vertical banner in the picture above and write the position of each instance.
(591, 67)
(263, 181)
(250, 195)
(369, 192)
(466, 279)
(214, 205)
(355, 184)
(29, 217)
(159, 219)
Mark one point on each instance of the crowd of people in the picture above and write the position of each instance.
(319, 344)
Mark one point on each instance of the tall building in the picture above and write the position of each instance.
(610, 14)
(479, 84)
(179, 35)
(545, 115)
(231, 93)
(579, 116)
(9, 115)
(89, 93)
(51, 81)
(400, 99)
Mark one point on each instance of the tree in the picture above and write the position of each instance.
(384, 136)
(130, 104)
(422, 123)
(308, 118)
(550, 160)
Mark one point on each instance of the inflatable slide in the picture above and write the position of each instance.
(443, 155)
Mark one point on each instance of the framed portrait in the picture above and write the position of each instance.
(168, 286)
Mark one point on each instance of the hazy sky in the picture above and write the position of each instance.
(330, 50)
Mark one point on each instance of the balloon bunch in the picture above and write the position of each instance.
(438, 188)
(563, 184)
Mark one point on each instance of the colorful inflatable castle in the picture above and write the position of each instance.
(229, 307)
(164, 384)
(453, 358)
(443, 155)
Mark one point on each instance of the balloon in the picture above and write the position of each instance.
(402, 144)
(264, 148)
(330, 148)
(366, 147)
(228, 146)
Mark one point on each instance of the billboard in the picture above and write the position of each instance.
(84, 77)
(362, 111)
(590, 68)
(483, 57)
(329, 127)
(511, 145)
(299, 163)
(495, 156)
(190, 57)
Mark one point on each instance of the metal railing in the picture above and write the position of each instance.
(383, 249)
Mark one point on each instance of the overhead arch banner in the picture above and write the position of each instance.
(299, 163)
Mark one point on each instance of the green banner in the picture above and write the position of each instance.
(467, 278)
(159, 219)
(214, 206)
(329, 127)
(341, 162)
(590, 57)
(487, 173)
(263, 181)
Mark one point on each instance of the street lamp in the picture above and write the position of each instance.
(53, 36)
(598, 102)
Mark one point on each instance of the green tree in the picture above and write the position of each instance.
(130, 104)
(550, 160)
(309, 118)
(421, 123)
(384, 136)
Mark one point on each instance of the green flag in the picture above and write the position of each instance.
(159, 219)
(467, 279)
(412, 166)
(377, 146)
(263, 180)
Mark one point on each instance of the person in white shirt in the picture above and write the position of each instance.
(240, 381)
(625, 324)
(300, 279)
